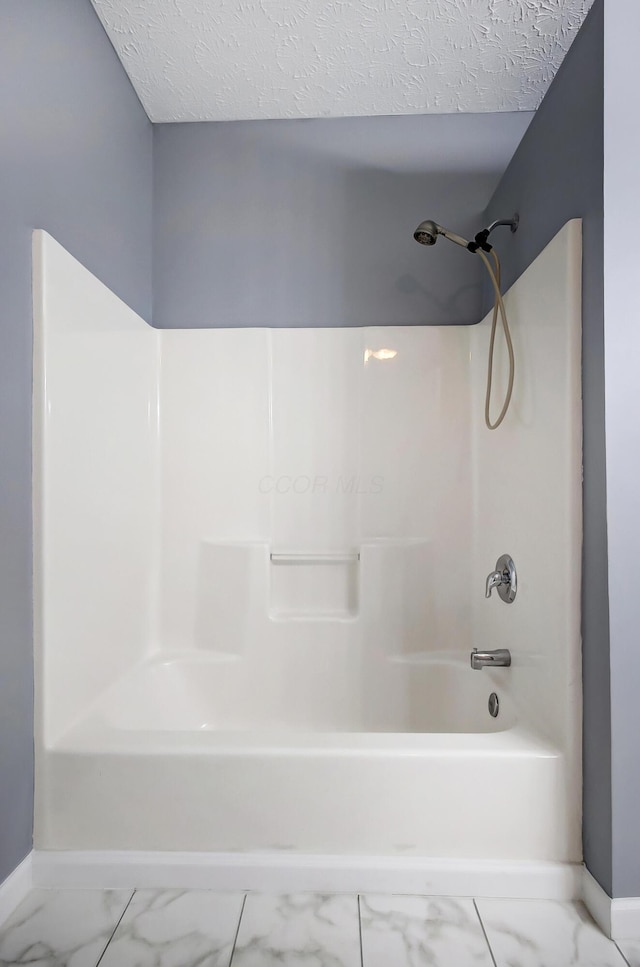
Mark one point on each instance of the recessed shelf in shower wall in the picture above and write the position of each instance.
(314, 586)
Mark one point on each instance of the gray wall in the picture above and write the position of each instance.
(557, 174)
(310, 223)
(76, 160)
(622, 408)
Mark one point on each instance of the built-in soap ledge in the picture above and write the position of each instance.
(310, 585)
(307, 557)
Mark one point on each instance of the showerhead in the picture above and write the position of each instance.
(427, 234)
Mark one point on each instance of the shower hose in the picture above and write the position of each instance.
(498, 309)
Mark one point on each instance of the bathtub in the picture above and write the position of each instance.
(216, 693)
(227, 666)
(186, 753)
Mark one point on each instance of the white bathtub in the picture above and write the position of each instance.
(198, 692)
(151, 767)
(298, 706)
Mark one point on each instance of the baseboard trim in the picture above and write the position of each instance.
(625, 918)
(597, 901)
(619, 918)
(14, 889)
(277, 872)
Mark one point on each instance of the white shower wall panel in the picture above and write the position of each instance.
(314, 443)
(95, 502)
(215, 449)
(316, 383)
(415, 437)
(528, 492)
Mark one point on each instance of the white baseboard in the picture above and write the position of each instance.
(15, 888)
(625, 918)
(597, 902)
(282, 873)
(619, 919)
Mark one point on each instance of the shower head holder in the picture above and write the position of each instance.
(480, 240)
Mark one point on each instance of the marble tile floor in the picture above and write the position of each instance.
(196, 928)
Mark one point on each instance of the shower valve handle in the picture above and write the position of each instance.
(504, 578)
(494, 580)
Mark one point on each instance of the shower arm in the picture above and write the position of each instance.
(511, 222)
(480, 240)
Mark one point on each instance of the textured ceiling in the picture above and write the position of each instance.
(210, 60)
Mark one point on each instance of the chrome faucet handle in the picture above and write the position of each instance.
(504, 578)
(494, 580)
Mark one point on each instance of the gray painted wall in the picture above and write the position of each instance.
(310, 223)
(557, 174)
(76, 160)
(622, 408)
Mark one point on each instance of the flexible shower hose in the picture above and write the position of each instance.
(498, 308)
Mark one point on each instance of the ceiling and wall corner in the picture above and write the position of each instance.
(190, 60)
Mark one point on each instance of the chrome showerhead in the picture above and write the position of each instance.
(427, 234)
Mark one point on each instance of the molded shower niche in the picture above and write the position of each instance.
(241, 586)
(244, 589)
(314, 587)
(260, 559)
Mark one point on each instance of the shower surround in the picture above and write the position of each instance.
(260, 560)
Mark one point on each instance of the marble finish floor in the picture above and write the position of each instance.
(196, 928)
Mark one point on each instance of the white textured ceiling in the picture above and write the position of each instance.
(210, 60)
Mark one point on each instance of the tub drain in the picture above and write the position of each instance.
(494, 705)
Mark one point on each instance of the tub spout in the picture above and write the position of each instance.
(500, 658)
